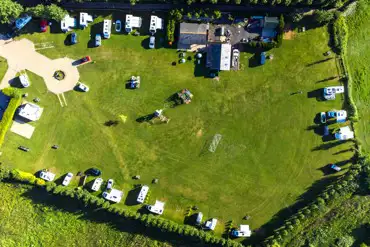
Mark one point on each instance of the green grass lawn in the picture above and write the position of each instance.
(359, 59)
(269, 154)
(24, 223)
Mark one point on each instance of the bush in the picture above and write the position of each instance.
(7, 119)
(26, 177)
(171, 31)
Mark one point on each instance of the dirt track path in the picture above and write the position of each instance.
(21, 55)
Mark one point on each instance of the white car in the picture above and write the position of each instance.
(47, 176)
(67, 179)
(83, 87)
(110, 184)
(152, 42)
(118, 26)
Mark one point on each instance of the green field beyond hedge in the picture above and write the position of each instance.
(270, 155)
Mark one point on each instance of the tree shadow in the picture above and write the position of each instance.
(327, 79)
(131, 198)
(96, 28)
(317, 129)
(145, 118)
(361, 234)
(278, 219)
(320, 61)
(200, 69)
(67, 40)
(344, 151)
(145, 43)
(326, 146)
(254, 61)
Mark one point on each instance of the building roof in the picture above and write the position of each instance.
(219, 56)
(271, 22)
(30, 111)
(192, 34)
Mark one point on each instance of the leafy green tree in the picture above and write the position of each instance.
(9, 10)
(217, 14)
(323, 16)
(238, 1)
(52, 12)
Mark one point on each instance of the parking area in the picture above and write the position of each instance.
(234, 34)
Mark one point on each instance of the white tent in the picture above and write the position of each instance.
(157, 208)
(132, 22)
(344, 133)
(143, 192)
(30, 111)
(155, 24)
(114, 195)
(67, 23)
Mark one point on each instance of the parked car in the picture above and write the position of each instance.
(74, 38)
(83, 87)
(152, 42)
(110, 184)
(118, 26)
(67, 179)
(43, 26)
(97, 40)
(94, 172)
(83, 60)
(322, 117)
(335, 168)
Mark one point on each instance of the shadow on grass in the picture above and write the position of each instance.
(95, 29)
(320, 61)
(254, 61)
(326, 146)
(131, 198)
(317, 93)
(328, 79)
(279, 218)
(145, 118)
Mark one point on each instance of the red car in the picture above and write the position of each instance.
(86, 59)
(43, 26)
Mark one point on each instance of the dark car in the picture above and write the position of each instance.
(94, 172)
(74, 38)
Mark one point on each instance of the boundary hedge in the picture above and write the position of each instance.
(15, 101)
(99, 203)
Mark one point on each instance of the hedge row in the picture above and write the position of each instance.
(95, 202)
(8, 115)
(331, 196)
(340, 34)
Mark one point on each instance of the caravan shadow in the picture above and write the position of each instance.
(254, 61)
(131, 198)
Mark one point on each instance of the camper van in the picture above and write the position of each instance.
(107, 26)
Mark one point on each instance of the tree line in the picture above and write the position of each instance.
(10, 10)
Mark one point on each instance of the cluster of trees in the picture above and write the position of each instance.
(340, 34)
(7, 119)
(97, 203)
(332, 195)
(10, 10)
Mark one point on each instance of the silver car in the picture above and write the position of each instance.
(98, 40)
(110, 184)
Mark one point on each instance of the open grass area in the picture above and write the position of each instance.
(359, 59)
(25, 223)
(270, 154)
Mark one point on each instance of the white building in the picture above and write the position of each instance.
(344, 133)
(107, 26)
(67, 23)
(24, 80)
(85, 18)
(30, 111)
(113, 195)
(132, 22)
(244, 231)
(157, 208)
(97, 184)
(143, 192)
(156, 23)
